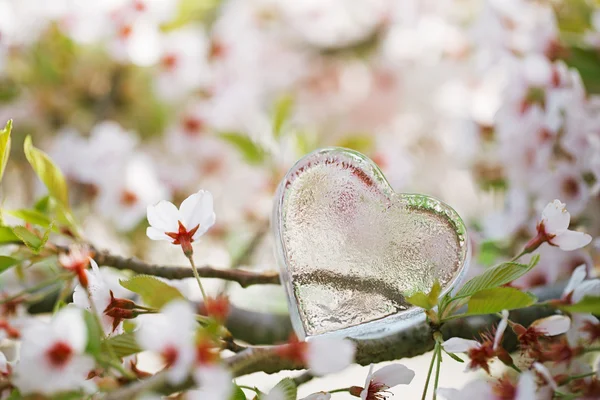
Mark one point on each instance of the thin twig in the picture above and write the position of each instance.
(244, 278)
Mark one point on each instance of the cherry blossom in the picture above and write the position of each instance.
(52, 355)
(214, 383)
(377, 383)
(525, 389)
(481, 353)
(553, 228)
(321, 355)
(578, 287)
(99, 292)
(550, 326)
(182, 226)
(77, 261)
(5, 368)
(171, 334)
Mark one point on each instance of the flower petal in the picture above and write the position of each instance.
(577, 278)
(393, 375)
(500, 329)
(155, 234)
(196, 210)
(526, 387)
(460, 345)
(545, 373)
(68, 324)
(163, 216)
(551, 326)
(478, 389)
(3, 364)
(571, 240)
(586, 288)
(214, 382)
(328, 355)
(556, 218)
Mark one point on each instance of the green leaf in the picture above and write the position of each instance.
(123, 345)
(32, 216)
(288, 389)
(5, 146)
(589, 304)
(496, 276)
(494, 300)
(283, 109)
(250, 151)
(7, 235)
(153, 291)
(454, 356)
(6, 262)
(489, 252)
(31, 240)
(48, 172)
(587, 62)
(43, 205)
(238, 394)
(95, 334)
(426, 301)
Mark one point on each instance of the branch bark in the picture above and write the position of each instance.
(405, 344)
(244, 278)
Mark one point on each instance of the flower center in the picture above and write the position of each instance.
(60, 354)
(170, 355)
(183, 237)
(128, 198)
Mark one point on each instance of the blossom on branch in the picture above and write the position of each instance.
(321, 355)
(503, 389)
(553, 229)
(171, 334)
(76, 260)
(181, 226)
(53, 355)
(378, 382)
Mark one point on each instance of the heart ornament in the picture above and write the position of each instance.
(350, 249)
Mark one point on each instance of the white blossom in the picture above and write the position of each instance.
(214, 382)
(53, 355)
(555, 223)
(171, 334)
(385, 378)
(329, 355)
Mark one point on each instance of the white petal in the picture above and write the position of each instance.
(198, 210)
(155, 234)
(163, 216)
(551, 326)
(368, 379)
(526, 387)
(478, 389)
(328, 355)
(180, 370)
(501, 328)
(577, 277)
(542, 370)
(460, 345)
(586, 288)
(214, 382)
(576, 334)
(393, 375)
(3, 364)
(318, 396)
(556, 218)
(68, 324)
(571, 240)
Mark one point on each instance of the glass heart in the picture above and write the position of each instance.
(350, 249)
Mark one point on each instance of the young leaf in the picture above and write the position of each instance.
(238, 394)
(589, 304)
(31, 240)
(4, 146)
(94, 334)
(454, 356)
(494, 300)
(7, 235)
(153, 291)
(7, 262)
(288, 388)
(250, 151)
(496, 276)
(283, 108)
(123, 345)
(426, 301)
(32, 216)
(48, 172)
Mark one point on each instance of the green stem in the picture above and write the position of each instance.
(35, 288)
(190, 257)
(339, 390)
(575, 377)
(591, 349)
(438, 348)
(255, 390)
(429, 374)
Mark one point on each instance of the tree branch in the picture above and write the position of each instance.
(408, 343)
(244, 278)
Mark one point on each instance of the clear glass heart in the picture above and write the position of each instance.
(350, 249)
